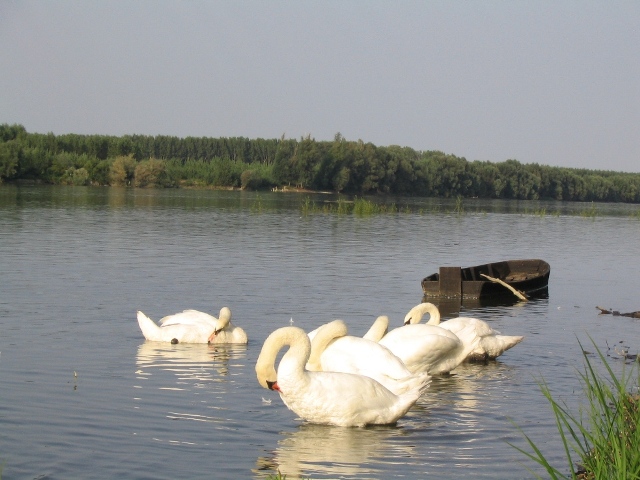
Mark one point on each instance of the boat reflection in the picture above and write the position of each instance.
(458, 306)
(335, 451)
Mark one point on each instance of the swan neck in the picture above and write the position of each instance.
(224, 319)
(324, 336)
(378, 329)
(296, 357)
(416, 313)
(434, 314)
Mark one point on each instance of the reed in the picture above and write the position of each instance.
(257, 206)
(590, 212)
(307, 206)
(459, 207)
(603, 440)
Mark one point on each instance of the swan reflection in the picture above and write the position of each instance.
(315, 449)
(458, 403)
(188, 383)
(190, 364)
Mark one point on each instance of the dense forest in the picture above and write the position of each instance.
(353, 167)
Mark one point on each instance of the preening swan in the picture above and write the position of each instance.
(332, 350)
(192, 326)
(491, 343)
(422, 348)
(334, 398)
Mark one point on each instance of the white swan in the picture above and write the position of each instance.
(422, 348)
(192, 326)
(334, 398)
(491, 343)
(332, 350)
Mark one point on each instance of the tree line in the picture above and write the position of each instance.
(353, 167)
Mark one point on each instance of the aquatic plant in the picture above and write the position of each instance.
(459, 207)
(307, 206)
(604, 437)
(590, 212)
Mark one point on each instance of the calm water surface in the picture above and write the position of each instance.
(82, 395)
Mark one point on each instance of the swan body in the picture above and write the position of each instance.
(332, 350)
(334, 398)
(426, 348)
(433, 350)
(192, 326)
(490, 344)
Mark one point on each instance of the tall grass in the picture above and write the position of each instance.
(359, 206)
(590, 212)
(459, 207)
(602, 441)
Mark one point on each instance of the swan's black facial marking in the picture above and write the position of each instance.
(174, 341)
(273, 385)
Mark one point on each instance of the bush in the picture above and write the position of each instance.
(255, 179)
(122, 170)
(151, 173)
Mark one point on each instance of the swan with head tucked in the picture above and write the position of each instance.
(333, 398)
(332, 350)
(490, 344)
(193, 326)
(422, 348)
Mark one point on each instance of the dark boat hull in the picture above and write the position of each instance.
(530, 277)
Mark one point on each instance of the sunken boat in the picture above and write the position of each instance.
(529, 277)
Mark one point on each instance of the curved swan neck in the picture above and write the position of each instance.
(416, 313)
(298, 354)
(378, 329)
(224, 318)
(324, 336)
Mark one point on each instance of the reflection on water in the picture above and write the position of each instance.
(336, 451)
(204, 372)
(441, 428)
(192, 364)
(76, 263)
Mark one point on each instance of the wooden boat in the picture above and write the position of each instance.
(530, 277)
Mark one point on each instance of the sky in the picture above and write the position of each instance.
(550, 82)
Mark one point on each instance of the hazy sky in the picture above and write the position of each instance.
(550, 82)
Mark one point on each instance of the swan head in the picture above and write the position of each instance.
(417, 312)
(299, 344)
(221, 323)
(267, 375)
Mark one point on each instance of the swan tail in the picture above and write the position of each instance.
(495, 346)
(408, 399)
(417, 382)
(148, 327)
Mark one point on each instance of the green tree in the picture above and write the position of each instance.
(9, 158)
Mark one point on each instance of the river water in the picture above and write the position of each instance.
(83, 395)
